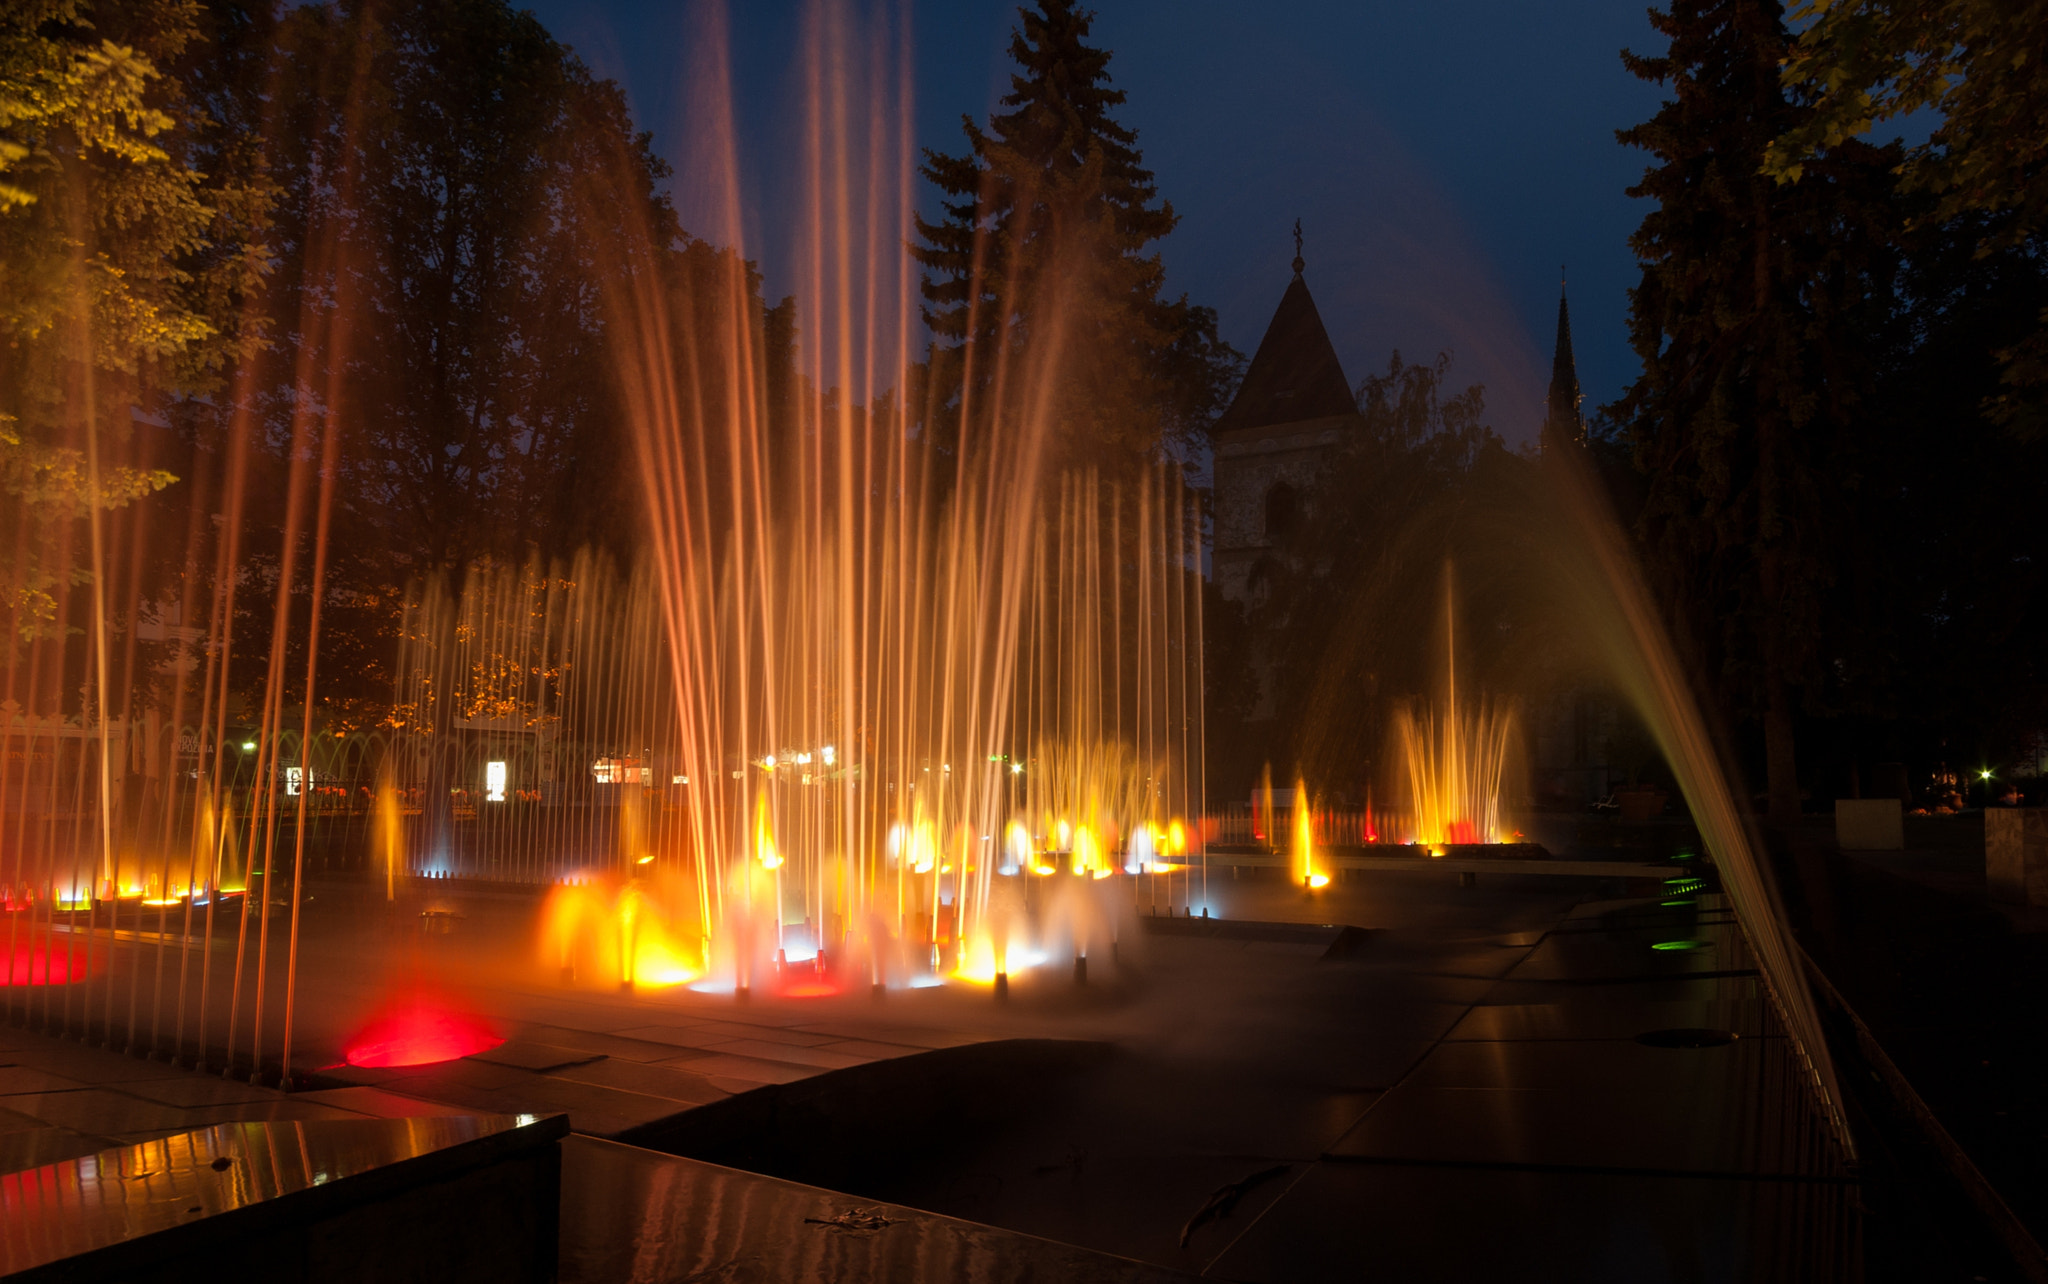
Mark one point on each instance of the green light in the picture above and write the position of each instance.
(1688, 901)
(248, 746)
(1679, 945)
(1683, 856)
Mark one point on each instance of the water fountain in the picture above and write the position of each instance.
(867, 710)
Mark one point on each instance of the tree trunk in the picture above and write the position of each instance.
(1781, 764)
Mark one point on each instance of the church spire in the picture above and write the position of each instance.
(1295, 375)
(1563, 422)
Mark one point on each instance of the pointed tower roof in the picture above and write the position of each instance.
(1295, 374)
(1562, 420)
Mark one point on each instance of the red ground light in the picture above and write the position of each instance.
(809, 987)
(37, 963)
(420, 1035)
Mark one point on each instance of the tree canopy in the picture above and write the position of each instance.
(124, 266)
(1979, 69)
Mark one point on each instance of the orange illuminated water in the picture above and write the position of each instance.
(1455, 757)
(881, 697)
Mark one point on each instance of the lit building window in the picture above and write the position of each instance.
(494, 782)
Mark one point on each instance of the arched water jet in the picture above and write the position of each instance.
(1600, 584)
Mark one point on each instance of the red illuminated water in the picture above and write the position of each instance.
(32, 963)
(420, 1035)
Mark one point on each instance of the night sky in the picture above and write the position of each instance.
(1445, 158)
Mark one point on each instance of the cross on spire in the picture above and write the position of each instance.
(1298, 263)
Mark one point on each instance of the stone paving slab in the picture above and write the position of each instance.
(526, 1054)
(1341, 1220)
(675, 1083)
(701, 1034)
(106, 1113)
(89, 1065)
(871, 1050)
(380, 1104)
(672, 1036)
(614, 1046)
(15, 1079)
(198, 1090)
(748, 1070)
(592, 1108)
(1621, 1020)
(819, 1058)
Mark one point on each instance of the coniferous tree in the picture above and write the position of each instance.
(1752, 323)
(1043, 265)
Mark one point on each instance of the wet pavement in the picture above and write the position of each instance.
(1402, 1075)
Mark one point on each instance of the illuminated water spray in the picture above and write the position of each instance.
(1455, 757)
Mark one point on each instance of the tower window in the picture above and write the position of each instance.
(1258, 582)
(1283, 510)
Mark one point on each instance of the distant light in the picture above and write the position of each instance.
(1016, 768)
(1318, 880)
(679, 780)
(803, 759)
(248, 746)
(293, 778)
(494, 782)
(1984, 774)
(644, 860)
(828, 753)
(769, 762)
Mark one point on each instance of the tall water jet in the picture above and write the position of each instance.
(1455, 757)
(1303, 831)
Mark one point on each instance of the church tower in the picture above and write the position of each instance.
(1271, 444)
(1562, 422)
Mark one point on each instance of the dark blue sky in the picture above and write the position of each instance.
(1444, 158)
